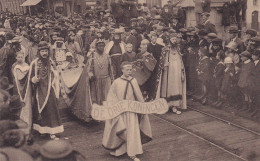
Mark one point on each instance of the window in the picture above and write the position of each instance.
(255, 2)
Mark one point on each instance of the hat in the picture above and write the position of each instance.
(202, 32)
(152, 33)
(205, 14)
(43, 45)
(233, 29)
(16, 39)
(140, 18)
(232, 45)
(14, 154)
(133, 19)
(145, 42)
(4, 84)
(183, 30)
(217, 41)
(159, 28)
(15, 103)
(117, 31)
(228, 60)
(9, 36)
(245, 54)
(189, 29)
(157, 17)
(256, 52)
(255, 40)
(212, 35)
(56, 149)
(251, 32)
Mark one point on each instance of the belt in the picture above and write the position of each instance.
(115, 55)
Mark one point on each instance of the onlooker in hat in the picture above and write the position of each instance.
(254, 84)
(198, 10)
(233, 32)
(73, 47)
(209, 27)
(14, 154)
(203, 71)
(7, 57)
(206, 6)
(210, 38)
(218, 74)
(227, 86)
(203, 42)
(250, 33)
(243, 82)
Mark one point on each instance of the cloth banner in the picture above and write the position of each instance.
(107, 111)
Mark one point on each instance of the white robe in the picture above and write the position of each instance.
(123, 133)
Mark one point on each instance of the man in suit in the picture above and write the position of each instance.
(233, 32)
(209, 27)
(254, 78)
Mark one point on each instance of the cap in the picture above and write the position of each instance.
(233, 29)
(232, 45)
(228, 60)
(117, 31)
(205, 14)
(256, 52)
(251, 32)
(212, 35)
(245, 54)
(217, 41)
(157, 17)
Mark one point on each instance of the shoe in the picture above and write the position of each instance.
(134, 158)
(219, 104)
(204, 101)
(174, 110)
(215, 103)
(54, 137)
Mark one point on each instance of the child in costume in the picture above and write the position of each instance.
(127, 132)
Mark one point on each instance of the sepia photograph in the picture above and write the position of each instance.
(129, 80)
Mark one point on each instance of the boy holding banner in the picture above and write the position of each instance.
(127, 132)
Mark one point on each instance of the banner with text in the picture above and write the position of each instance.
(107, 112)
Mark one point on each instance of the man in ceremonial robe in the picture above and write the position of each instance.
(173, 79)
(100, 73)
(45, 89)
(127, 132)
(116, 48)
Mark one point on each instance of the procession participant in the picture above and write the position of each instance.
(45, 81)
(130, 55)
(123, 134)
(115, 49)
(173, 80)
(209, 27)
(73, 47)
(132, 39)
(100, 73)
(79, 40)
(156, 50)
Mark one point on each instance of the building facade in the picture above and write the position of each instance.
(252, 14)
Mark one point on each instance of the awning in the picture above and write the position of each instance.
(30, 3)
